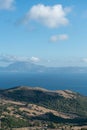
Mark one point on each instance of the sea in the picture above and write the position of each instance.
(60, 81)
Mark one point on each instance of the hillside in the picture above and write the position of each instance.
(23, 104)
(63, 101)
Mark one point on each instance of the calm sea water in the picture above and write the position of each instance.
(76, 82)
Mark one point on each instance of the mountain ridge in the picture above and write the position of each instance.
(64, 101)
(30, 107)
(60, 92)
(32, 67)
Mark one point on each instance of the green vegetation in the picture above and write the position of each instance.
(12, 122)
(12, 116)
(77, 105)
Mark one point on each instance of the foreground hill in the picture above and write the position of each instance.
(27, 107)
(63, 101)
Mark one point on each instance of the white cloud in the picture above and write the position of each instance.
(11, 59)
(60, 37)
(50, 16)
(7, 4)
(35, 59)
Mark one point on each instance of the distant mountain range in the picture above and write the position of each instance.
(31, 67)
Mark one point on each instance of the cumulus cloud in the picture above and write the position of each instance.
(60, 37)
(34, 59)
(50, 16)
(11, 59)
(7, 4)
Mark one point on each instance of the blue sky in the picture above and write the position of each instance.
(52, 33)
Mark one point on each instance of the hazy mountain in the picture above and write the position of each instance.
(23, 67)
(31, 67)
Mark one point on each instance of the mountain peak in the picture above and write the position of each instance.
(21, 66)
